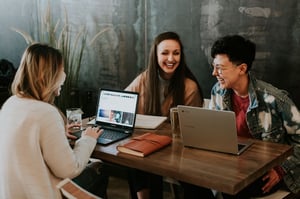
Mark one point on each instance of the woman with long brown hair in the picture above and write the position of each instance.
(166, 82)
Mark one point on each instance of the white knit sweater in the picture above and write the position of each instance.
(34, 151)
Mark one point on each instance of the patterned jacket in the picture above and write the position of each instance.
(271, 116)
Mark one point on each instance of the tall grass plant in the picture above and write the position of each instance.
(58, 34)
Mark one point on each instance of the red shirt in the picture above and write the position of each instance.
(240, 106)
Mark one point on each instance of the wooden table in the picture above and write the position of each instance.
(222, 172)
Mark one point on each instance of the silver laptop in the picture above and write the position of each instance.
(116, 114)
(210, 129)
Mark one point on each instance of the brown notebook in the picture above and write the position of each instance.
(145, 144)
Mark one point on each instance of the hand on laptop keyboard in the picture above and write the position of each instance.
(94, 132)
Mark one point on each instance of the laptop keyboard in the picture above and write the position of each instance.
(112, 134)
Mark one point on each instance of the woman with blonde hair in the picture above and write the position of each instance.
(35, 153)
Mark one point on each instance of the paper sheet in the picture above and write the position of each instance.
(145, 121)
(148, 121)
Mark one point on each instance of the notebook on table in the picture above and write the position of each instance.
(210, 129)
(115, 114)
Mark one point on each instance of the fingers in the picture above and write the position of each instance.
(96, 129)
(271, 179)
(93, 132)
(69, 135)
(101, 131)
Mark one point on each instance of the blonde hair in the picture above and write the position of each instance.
(38, 73)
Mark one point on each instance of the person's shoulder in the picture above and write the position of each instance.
(38, 106)
(269, 88)
(190, 83)
(191, 86)
(137, 82)
(271, 92)
(140, 77)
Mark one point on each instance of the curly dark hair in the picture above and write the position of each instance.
(238, 49)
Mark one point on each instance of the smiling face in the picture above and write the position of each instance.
(168, 55)
(227, 73)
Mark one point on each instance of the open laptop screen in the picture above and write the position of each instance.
(116, 107)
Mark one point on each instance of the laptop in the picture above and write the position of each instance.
(208, 129)
(115, 114)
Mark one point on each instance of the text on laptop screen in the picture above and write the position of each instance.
(117, 107)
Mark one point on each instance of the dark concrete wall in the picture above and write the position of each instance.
(121, 53)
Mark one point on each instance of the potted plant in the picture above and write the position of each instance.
(59, 35)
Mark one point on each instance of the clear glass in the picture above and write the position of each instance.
(74, 116)
(175, 123)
